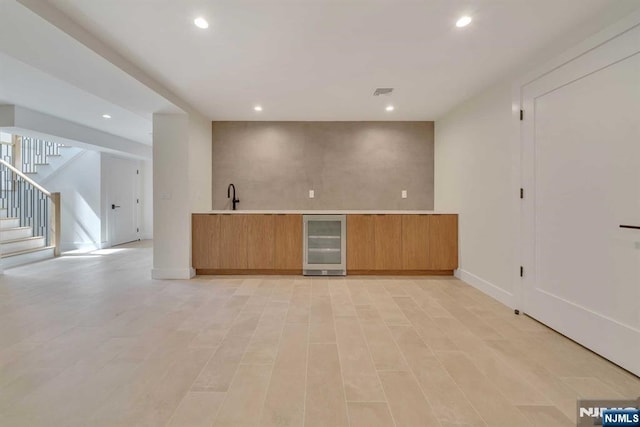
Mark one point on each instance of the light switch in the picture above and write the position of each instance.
(312, 194)
(404, 194)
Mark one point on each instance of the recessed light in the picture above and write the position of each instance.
(390, 108)
(200, 22)
(258, 108)
(106, 116)
(463, 21)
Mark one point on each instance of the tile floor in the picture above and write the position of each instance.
(90, 340)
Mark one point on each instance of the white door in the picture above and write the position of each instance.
(122, 200)
(581, 173)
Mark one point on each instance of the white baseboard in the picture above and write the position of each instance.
(486, 287)
(172, 273)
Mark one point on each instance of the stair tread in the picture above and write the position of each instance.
(15, 228)
(23, 239)
(26, 251)
(8, 218)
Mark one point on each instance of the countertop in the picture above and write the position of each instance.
(327, 212)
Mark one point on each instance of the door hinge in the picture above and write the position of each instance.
(137, 200)
(138, 171)
(521, 115)
(522, 193)
(137, 230)
(521, 271)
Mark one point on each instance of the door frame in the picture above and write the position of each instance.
(107, 158)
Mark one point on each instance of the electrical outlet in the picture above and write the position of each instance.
(312, 194)
(404, 194)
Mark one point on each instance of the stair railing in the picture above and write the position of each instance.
(36, 207)
(36, 152)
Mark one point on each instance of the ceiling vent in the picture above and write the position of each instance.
(383, 91)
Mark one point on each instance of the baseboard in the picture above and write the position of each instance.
(172, 273)
(400, 272)
(486, 287)
(232, 272)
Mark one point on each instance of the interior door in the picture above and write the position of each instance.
(581, 173)
(122, 203)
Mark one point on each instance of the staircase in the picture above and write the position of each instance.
(18, 245)
(29, 214)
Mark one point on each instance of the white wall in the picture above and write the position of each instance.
(146, 220)
(79, 183)
(473, 167)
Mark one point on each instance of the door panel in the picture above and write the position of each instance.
(260, 241)
(205, 238)
(415, 242)
(388, 242)
(288, 242)
(360, 242)
(443, 242)
(233, 241)
(581, 155)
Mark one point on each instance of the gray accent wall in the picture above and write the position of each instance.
(349, 165)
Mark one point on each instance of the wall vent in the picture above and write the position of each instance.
(382, 91)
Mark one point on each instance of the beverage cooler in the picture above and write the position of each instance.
(325, 245)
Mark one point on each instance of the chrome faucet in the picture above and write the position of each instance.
(234, 201)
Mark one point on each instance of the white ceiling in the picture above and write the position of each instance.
(44, 69)
(322, 59)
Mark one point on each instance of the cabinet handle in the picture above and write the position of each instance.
(633, 227)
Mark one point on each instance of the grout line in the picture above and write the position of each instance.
(306, 371)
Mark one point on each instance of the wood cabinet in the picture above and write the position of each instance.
(232, 244)
(388, 242)
(247, 243)
(260, 242)
(288, 242)
(205, 233)
(360, 242)
(415, 242)
(443, 242)
(376, 244)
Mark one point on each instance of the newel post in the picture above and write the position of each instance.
(55, 223)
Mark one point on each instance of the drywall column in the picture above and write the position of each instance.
(171, 198)
(200, 163)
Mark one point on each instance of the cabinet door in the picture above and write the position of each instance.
(360, 242)
(204, 241)
(288, 242)
(388, 242)
(443, 242)
(233, 241)
(260, 242)
(415, 242)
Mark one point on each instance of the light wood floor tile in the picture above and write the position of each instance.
(325, 401)
(370, 414)
(284, 404)
(245, 398)
(361, 380)
(408, 405)
(93, 341)
(197, 409)
(546, 416)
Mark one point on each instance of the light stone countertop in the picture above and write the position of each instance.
(328, 212)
